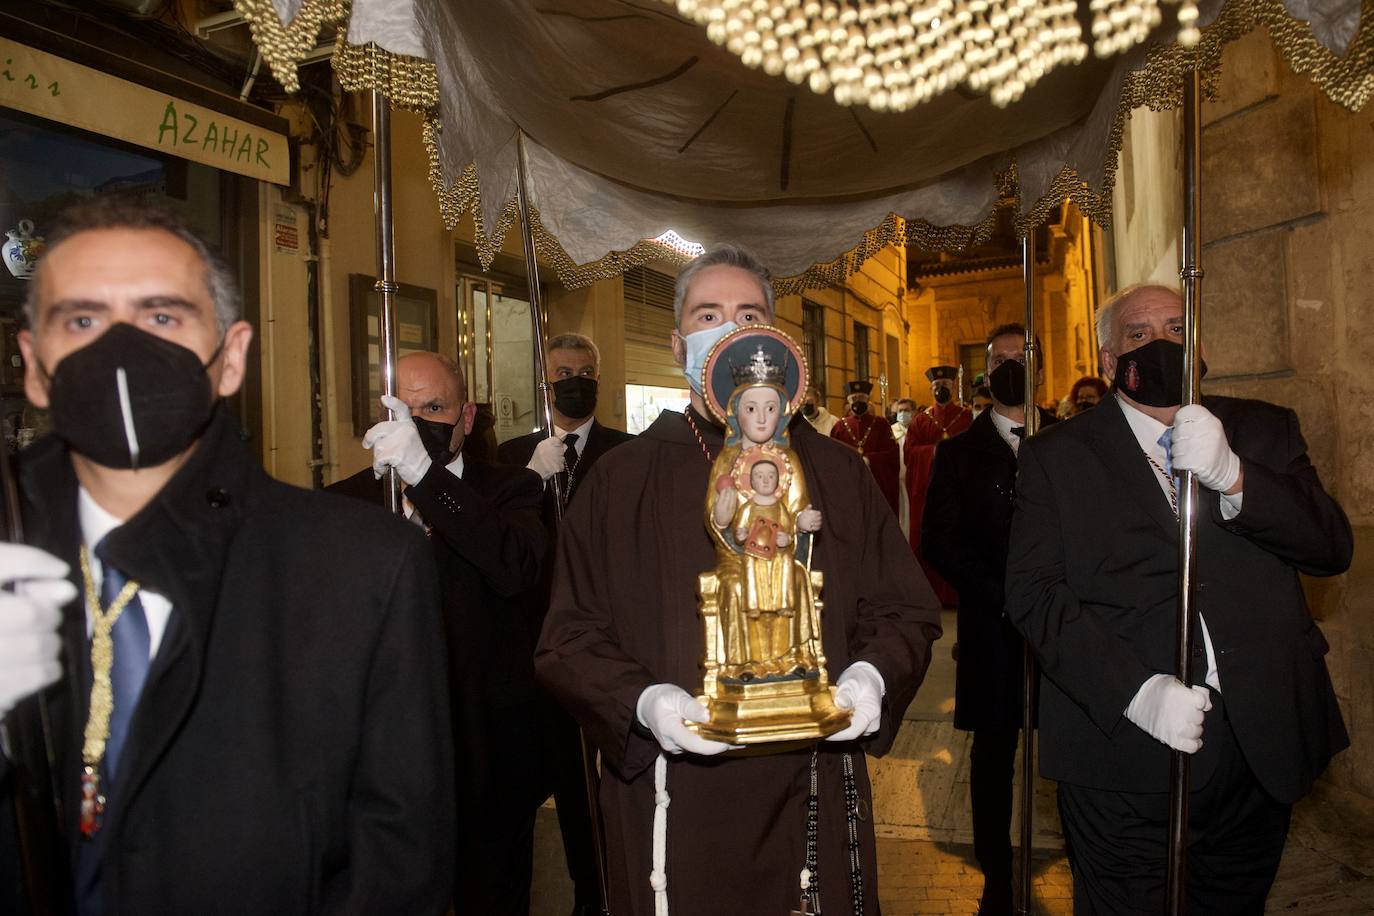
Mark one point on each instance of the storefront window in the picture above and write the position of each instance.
(496, 351)
(46, 167)
(643, 404)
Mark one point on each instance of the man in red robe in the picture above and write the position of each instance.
(868, 432)
(945, 418)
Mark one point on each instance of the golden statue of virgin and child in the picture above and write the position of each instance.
(761, 607)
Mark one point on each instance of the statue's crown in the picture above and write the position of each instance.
(760, 369)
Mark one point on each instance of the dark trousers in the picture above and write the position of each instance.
(1118, 841)
(498, 799)
(564, 754)
(496, 861)
(992, 770)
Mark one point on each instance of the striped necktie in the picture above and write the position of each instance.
(1166, 441)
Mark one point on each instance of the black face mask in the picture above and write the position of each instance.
(1153, 374)
(1008, 383)
(130, 399)
(942, 395)
(859, 407)
(809, 409)
(1085, 405)
(435, 437)
(575, 398)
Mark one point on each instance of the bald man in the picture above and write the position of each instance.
(489, 544)
(1092, 582)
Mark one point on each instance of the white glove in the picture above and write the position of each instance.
(29, 619)
(1170, 712)
(547, 459)
(1200, 446)
(663, 707)
(861, 689)
(396, 444)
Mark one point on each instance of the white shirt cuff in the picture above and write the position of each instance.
(1230, 505)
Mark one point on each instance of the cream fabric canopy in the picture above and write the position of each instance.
(635, 123)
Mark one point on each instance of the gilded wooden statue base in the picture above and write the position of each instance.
(792, 710)
(797, 705)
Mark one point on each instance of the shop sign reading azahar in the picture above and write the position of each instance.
(60, 90)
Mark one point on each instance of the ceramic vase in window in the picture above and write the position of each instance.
(22, 250)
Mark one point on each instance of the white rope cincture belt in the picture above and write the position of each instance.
(658, 877)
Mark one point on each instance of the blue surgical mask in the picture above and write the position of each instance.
(904, 417)
(699, 344)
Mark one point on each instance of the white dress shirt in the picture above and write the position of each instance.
(95, 524)
(582, 432)
(1147, 432)
(1005, 425)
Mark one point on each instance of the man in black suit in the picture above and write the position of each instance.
(483, 526)
(964, 532)
(256, 720)
(1092, 582)
(573, 364)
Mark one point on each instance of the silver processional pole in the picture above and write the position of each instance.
(386, 270)
(591, 778)
(1030, 675)
(541, 337)
(1191, 275)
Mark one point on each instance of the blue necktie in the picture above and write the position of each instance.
(1166, 439)
(130, 669)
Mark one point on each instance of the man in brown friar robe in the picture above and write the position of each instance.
(944, 419)
(623, 646)
(870, 434)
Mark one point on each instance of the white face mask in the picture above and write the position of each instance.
(904, 417)
(699, 344)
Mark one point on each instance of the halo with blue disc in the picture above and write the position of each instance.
(772, 352)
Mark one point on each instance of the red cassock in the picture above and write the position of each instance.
(928, 429)
(872, 437)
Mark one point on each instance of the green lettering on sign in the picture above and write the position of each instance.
(169, 122)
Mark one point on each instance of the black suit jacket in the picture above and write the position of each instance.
(964, 532)
(1092, 581)
(600, 439)
(290, 747)
(557, 728)
(489, 545)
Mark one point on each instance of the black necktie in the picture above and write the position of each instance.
(570, 462)
(1019, 432)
